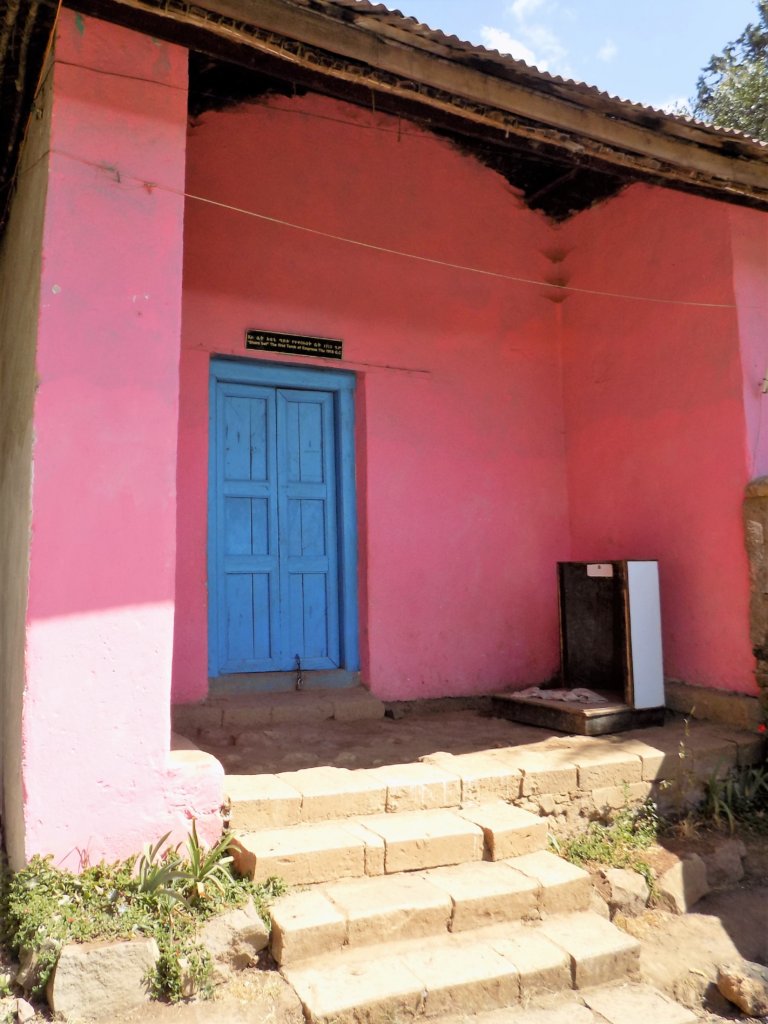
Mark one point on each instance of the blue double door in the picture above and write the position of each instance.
(276, 551)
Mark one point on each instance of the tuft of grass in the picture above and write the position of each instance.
(617, 844)
(161, 894)
(739, 800)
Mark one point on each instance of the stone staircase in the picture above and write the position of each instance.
(426, 888)
(433, 903)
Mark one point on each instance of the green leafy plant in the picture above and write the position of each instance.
(158, 868)
(205, 868)
(163, 893)
(618, 844)
(184, 969)
(740, 799)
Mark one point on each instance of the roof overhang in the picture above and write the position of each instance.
(565, 145)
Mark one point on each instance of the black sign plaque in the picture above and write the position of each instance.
(294, 344)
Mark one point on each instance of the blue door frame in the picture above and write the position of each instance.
(282, 519)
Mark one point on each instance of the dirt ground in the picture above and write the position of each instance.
(679, 956)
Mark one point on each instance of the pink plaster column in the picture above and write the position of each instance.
(98, 775)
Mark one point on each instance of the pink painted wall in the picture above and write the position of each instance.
(654, 411)
(461, 476)
(749, 241)
(497, 432)
(98, 775)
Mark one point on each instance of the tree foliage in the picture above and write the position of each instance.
(732, 90)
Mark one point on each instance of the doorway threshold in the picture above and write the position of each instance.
(282, 682)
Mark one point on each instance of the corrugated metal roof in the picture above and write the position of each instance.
(419, 29)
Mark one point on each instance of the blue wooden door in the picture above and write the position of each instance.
(276, 537)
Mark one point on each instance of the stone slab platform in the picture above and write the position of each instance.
(353, 848)
(384, 843)
(566, 778)
(464, 897)
(470, 972)
(607, 1004)
(224, 718)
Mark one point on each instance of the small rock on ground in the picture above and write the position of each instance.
(746, 985)
(684, 883)
(94, 979)
(626, 891)
(234, 939)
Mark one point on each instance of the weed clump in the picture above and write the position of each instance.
(618, 844)
(165, 893)
(738, 801)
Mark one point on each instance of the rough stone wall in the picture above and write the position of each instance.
(756, 538)
(20, 262)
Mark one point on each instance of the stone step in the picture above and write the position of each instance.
(325, 793)
(618, 1003)
(365, 911)
(465, 972)
(382, 844)
(226, 717)
(569, 778)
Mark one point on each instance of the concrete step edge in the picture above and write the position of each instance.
(387, 843)
(355, 913)
(241, 710)
(327, 792)
(490, 968)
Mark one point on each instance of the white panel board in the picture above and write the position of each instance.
(645, 633)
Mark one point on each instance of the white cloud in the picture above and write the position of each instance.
(553, 55)
(504, 42)
(522, 8)
(531, 40)
(608, 50)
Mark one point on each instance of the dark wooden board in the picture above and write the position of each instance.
(581, 719)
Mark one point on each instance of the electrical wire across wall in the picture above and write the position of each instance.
(456, 266)
(564, 289)
(151, 186)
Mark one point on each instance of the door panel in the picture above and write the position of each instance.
(275, 570)
(308, 528)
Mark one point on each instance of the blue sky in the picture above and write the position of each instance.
(650, 51)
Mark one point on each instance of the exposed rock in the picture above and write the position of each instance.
(599, 906)
(98, 978)
(28, 974)
(25, 1012)
(626, 891)
(684, 883)
(234, 939)
(724, 863)
(745, 984)
(546, 803)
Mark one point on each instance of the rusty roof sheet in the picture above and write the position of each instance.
(421, 30)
